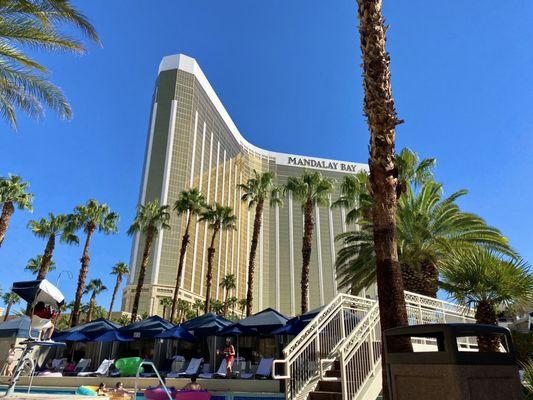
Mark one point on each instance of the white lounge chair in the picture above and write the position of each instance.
(221, 373)
(192, 369)
(264, 370)
(101, 371)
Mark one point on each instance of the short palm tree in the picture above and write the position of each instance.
(94, 287)
(34, 265)
(197, 306)
(242, 305)
(50, 228)
(232, 303)
(150, 219)
(13, 193)
(9, 300)
(119, 270)
(488, 281)
(166, 302)
(219, 218)
(228, 283)
(92, 217)
(35, 24)
(259, 188)
(183, 308)
(216, 306)
(190, 202)
(311, 189)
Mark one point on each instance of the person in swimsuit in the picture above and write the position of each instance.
(192, 385)
(8, 366)
(229, 354)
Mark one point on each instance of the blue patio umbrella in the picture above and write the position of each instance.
(75, 336)
(237, 330)
(111, 336)
(295, 325)
(178, 332)
(92, 329)
(208, 324)
(147, 328)
(265, 321)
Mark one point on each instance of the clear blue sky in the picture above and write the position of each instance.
(288, 73)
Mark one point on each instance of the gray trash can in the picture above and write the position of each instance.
(445, 364)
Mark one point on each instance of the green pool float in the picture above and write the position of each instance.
(128, 366)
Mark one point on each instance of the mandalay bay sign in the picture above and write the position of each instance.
(320, 163)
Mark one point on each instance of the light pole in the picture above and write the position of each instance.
(69, 274)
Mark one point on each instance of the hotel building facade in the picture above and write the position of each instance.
(193, 142)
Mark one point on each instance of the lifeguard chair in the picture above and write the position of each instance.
(34, 292)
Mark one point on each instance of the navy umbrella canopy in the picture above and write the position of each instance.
(295, 325)
(206, 325)
(146, 329)
(265, 321)
(178, 332)
(111, 336)
(76, 336)
(237, 330)
(90, 330)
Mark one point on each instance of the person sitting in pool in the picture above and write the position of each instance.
(42, 319)
(192, 385)
(102, 390)
(120, 391)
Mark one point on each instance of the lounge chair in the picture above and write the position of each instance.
(81, 366)
(264, 370)
(221, 373)
(56, 368)
(192, 369)
(101, 371)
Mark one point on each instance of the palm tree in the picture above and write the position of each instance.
(13, 193)
(94, 287)
(9, 299)
(120, 269)
(232, 303)
(91, 217)
(197, 306)
(255, 191)
(190, 202)
(228, 283)
(488, 281)
(242, 305)
(216, 306)
(382, 120)
(183, 309)
(34, 265)
(36, 24)
(50, 229)
(312, 190)
(165, 302)
(428, 226)
(150, 219)
(219, 218)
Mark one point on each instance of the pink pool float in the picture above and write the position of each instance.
(158, 393)
(193, 395)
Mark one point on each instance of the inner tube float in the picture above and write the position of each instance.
(193, 395)
(87, 391)
(158, 393)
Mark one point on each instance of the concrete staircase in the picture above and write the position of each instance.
(330, 389)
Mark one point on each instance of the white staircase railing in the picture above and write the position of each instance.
(305, 356)
(348, 330)
(360, 353)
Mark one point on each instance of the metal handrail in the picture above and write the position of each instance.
(158, 377)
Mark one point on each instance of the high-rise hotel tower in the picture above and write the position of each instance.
(192, 142)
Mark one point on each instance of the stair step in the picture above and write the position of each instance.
(336, 365)
(333, 373)
(330, 386)
(320, 395)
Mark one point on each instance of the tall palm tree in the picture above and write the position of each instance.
(120, 269)
(150, 219)
(488, 281)
(94, 287)
(166, 302)
(35, 24)
(256, 190)
(219, 218)
(311, 189)
(50, 229)
(9, 300)
(190, 202)
(34, 265)
(13, 193)
(228, 283)
(428, 226)
(91, 217)
(382, 120)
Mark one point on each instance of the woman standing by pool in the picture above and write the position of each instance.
(8, 366)
(229, 354)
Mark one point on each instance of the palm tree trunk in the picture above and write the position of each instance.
(486, 314)
(47, 257)
(253, 252)
(7, 211)
(142, 272)
(85, 259)
(90, 312)
(422, 280)
(115, 291)
(381, 117)
(209, 273)
(164, 310)
(183, 251)
(8, 310)
(309, 226)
